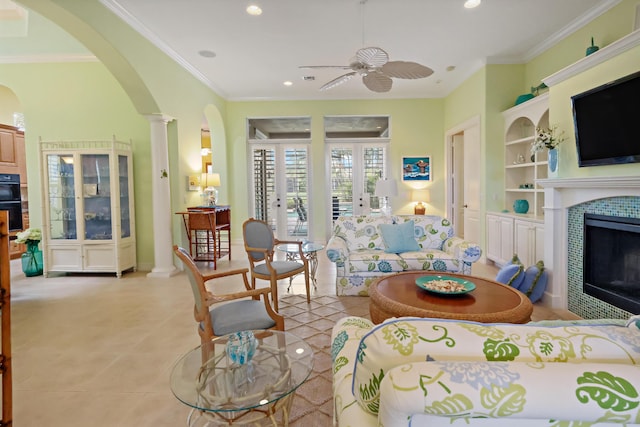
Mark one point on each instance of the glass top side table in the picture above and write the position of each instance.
(221, 392)
(310, 250)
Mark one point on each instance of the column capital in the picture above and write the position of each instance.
(159, 117)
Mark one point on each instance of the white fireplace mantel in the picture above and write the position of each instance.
(559, 195)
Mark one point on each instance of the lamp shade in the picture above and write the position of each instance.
(210, 180)
(420, 196)
(386, 188)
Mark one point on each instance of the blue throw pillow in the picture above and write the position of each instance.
(535, 281)
(399, 238)
(511, 274)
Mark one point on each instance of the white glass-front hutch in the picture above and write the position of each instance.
(88, 206)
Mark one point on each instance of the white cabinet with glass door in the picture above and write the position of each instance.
(88, 206)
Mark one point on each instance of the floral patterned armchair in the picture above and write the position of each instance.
(433, 372)
(359, 250)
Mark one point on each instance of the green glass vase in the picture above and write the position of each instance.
(32, 262)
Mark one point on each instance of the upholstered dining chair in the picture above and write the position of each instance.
(260, 245)
(223, 314)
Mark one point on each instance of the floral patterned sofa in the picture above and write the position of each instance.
(359, 250)
(433, 372)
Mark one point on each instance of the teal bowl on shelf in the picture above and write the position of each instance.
(524, 98)
(521, 206)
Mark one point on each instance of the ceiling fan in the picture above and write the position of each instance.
(373, 64)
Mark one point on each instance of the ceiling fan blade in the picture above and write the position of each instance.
(377, 82)
(406, 70)
(373, 57)
(313, 67)
(338, 81)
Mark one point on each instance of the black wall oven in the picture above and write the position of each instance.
(10, 199)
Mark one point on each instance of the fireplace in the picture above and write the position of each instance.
(611, 261)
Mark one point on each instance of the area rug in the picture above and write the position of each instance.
(313, 402)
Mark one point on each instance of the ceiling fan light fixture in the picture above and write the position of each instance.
(470, 4)
(254, 10)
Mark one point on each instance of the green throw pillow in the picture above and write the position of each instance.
(399, 238)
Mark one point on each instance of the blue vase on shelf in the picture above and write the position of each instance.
(521, 206)
(553, 160)
(32, 259)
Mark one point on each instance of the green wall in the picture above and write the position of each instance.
(416, 129)
(70, 101)
(560, 112)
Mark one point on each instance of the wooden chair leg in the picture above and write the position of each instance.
(274, 293)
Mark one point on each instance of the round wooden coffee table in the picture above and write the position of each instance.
(397, 295)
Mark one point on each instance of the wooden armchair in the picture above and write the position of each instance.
(237, 313)
(260, 245)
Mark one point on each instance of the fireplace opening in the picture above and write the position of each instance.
(611, 262)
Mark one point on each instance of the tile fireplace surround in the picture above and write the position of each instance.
(560, 195)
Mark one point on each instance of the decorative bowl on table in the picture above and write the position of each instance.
(445, 285)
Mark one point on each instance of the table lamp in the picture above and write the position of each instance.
(209, 181)
(420, 196)
(384, 189)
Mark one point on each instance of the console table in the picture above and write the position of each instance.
(205, 226)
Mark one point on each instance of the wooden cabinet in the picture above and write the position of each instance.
(499, 238)
(521, 170)
(12, 153)
(508, 234)
(88, 206)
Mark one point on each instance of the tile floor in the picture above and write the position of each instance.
(94, 350)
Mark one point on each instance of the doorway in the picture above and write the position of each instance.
(279, 168)
(463, 179)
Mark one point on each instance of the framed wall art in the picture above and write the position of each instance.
(416, 168)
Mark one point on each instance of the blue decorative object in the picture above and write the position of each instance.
(511, 275)
(553, 160)
(521, 206)
(241, 347)
(592, 49)
(535, 281)
(32, 259)
(524, 98)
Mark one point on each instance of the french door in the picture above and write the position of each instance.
(355, 167)
(280, 187)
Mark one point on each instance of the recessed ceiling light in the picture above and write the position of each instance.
(470, 4)
(288, 83)
(207, 53)
(451, 67)
(254, 9)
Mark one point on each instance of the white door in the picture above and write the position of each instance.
(457, 179)
(472, 184)
(463, 180)
(354, 170)
(280, 188)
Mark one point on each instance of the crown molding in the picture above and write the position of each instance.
(614, 49)
(573, 26)
(37, 59)
(145, 32)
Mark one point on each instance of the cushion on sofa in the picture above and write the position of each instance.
(399, 238)
(406, 340)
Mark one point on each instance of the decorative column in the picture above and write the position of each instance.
(161, 198)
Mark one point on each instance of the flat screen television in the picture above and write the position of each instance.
(606, 121)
